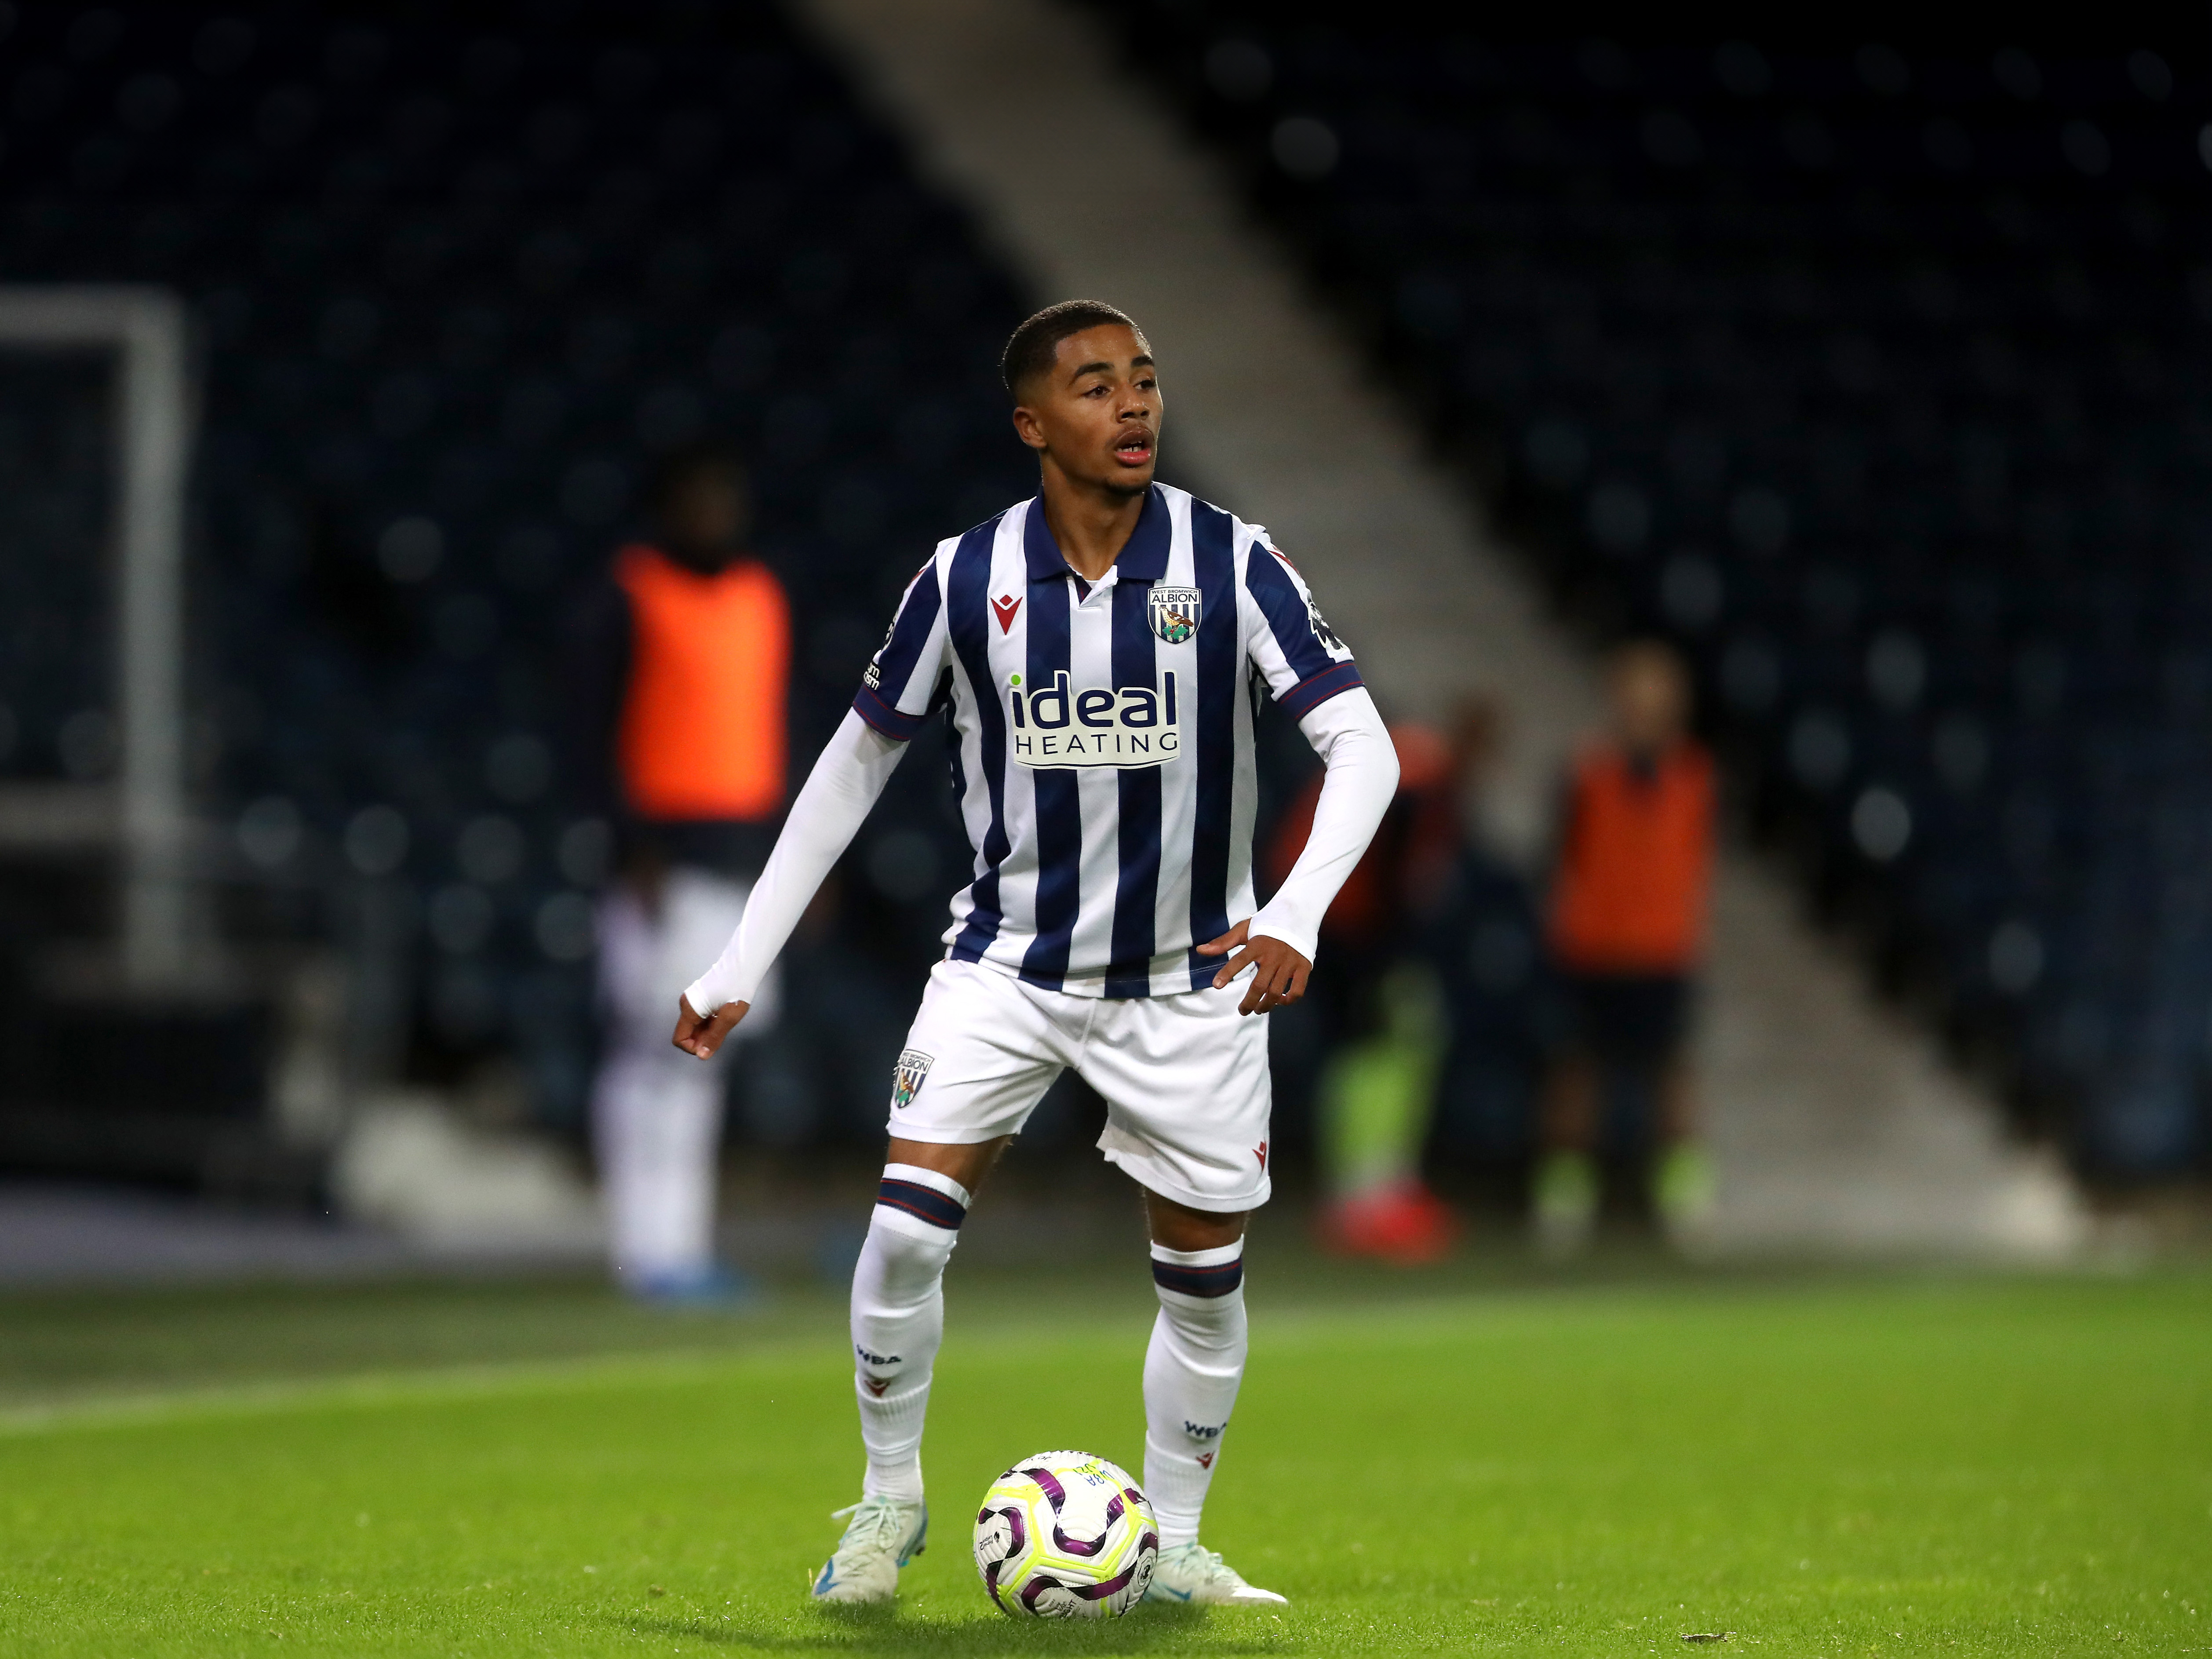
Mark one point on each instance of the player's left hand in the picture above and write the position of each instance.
(1278, 973)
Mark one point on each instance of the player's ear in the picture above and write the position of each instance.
(1027, 427)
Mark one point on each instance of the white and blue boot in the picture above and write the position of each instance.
(884, 1535)
(1191, 1572)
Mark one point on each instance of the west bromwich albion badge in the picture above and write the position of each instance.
(1175, 612)
(913, 1071)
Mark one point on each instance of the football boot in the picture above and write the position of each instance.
(1192, 1572)
(884, 1535)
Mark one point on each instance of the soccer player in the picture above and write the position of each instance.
(1098, 651)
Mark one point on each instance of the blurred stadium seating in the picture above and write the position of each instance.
(1871, 376)
(1863, 372)
(458, 272)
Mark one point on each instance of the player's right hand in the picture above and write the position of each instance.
(699, 1035)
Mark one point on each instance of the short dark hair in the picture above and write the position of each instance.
(677, 471)
(1036, 342)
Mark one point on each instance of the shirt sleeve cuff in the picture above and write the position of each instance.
(1309, 693)
(1295, 932)
(886, 716)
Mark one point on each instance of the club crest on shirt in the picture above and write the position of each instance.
(1175, 612)
(907, 1079)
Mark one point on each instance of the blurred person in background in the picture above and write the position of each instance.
(1383, 1021)
(682, 673)
(1480, 928)
(1626, 932)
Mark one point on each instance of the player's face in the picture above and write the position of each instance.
(1097, 413)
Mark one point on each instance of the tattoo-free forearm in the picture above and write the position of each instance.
(856, 764)
(1348, 733)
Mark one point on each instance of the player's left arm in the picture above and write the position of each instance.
(1278, 944)
(854, 766)
(1312, 675)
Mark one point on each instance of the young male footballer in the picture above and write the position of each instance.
(1099, 652)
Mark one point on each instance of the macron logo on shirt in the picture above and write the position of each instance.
(1060, 726)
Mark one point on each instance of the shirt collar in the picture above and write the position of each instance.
(1143, 559)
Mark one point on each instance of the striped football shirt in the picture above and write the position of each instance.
(1102, 751)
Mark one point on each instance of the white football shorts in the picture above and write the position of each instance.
(1184, 1078)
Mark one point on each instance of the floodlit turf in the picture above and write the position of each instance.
(1827, 1467)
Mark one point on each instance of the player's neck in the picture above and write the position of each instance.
(1091, 523)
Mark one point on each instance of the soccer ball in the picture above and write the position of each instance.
(1065, 1536)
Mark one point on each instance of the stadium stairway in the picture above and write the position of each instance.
(1837, 1126)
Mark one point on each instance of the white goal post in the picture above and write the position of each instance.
(146, 814)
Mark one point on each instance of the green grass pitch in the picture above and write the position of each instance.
(1887, 1465)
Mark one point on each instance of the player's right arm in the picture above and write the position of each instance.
(844, 785)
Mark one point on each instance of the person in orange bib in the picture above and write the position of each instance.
(682, 670)
(1626, 934)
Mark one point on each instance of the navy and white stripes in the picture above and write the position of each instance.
(1214, 1272)
(913, 632)
(1105, 758)
(921, 1198)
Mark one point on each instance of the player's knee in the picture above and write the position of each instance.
(1177, 1226)
(915, 1223)
(912, 1196)
(965, 1163)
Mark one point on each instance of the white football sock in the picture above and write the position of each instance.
(898, 1319)
(1192, 1370)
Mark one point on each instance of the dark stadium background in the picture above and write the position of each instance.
(1865, 364)
(458, 274)
(1872, 375)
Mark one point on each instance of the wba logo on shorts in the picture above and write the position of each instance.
(1064, 726)
(912, 1071)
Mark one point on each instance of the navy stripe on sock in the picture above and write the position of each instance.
(1217, 1280)
(937, 1208)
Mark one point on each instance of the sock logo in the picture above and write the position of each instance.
(876, 1385)
(867, 1358)
(1206, 1460)
(912, 1071)
(1200, 1431)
